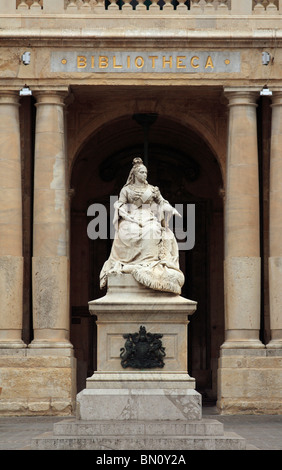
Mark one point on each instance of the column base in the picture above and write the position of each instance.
(37, 382)
(250, 381)
(242, 339)
(11, 284)
(11, 339)
(41, 344)
(16, 344)
(274, 344)
(276, 339)
(50, 338)
(243, 344)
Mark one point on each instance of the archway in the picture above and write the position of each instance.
(185, 169)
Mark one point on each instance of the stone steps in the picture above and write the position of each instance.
(204, 427)
(141, 435)
(230, 441)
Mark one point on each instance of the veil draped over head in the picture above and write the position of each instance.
(143, 245)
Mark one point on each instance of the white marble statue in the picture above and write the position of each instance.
(144, 245)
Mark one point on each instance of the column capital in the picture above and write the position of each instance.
(242, 96)
(50, 95)
(276, 97)
(10, 97)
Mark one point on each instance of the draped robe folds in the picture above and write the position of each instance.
(144, 245)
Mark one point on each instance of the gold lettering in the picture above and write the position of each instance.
(81, 62)
(128, 61)
(169, 62)
(179, 63)
(209, 63)
(139, 62)
(115, 64)
(195, 66)
(153, 58)
(103, 61)
(92, 61)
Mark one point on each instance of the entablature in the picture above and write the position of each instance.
(126, 15)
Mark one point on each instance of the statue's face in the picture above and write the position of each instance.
(141, 174)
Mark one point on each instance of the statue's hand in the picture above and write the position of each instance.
(175, 212)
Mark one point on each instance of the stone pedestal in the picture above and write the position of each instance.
(135, 408)
(125, 392)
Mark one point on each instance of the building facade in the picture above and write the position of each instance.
(194, 87)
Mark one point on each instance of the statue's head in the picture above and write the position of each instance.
(138, 171)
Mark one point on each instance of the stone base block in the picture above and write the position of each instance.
(250, 381)
(139, 435)
(37, 382)
(140, 380)
(138, 404)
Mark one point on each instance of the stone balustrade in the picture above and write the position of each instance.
(192, 7)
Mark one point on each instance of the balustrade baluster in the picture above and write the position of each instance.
(271, 7)
(259, 7)
(209, 7)
(182, 8)
(85, 7)
(72, 6)
(222, 7)
(127, 7)
(168, 6)
(154, 7)
(23, 5)
(35, 6)
(113, 5)
(140, 6)
(195, 6)
(99, 7)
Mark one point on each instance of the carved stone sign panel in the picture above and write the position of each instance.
(146, 62)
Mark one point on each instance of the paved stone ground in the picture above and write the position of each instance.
(262, 432)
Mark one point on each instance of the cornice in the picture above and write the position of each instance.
(141, 36)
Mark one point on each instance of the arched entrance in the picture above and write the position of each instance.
(183, 166)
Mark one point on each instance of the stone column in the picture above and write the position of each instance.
(275, 224)
(51, 225)
(11, 259)
(242, 236)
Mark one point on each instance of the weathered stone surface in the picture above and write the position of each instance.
(38, 382)
(250, 381)
(138, 404)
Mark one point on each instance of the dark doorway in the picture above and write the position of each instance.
(186, 171)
